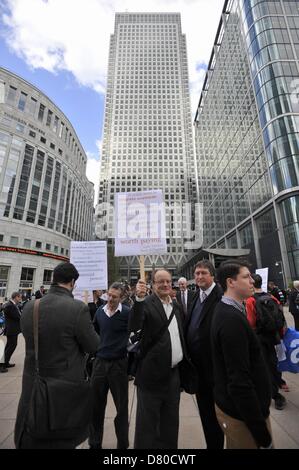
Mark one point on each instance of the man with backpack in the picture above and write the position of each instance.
(265, 315)
(294, 304)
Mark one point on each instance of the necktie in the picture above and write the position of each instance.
(203, 296)
(184, 303)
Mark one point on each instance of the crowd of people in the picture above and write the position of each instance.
(228, 328)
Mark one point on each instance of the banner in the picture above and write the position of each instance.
(90, 259)
(263, 272)
(140, 223)
(288, 355)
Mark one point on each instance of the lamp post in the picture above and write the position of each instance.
(279, 263)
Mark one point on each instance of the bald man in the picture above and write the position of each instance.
(157, 378)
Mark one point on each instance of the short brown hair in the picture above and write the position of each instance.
(205, 263)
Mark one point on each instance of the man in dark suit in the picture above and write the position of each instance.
(40, 293)
(197, 334)
(97, 303)
(184, 296)
(65, 334)
(157, 376)
(294, 304)
(12, 327)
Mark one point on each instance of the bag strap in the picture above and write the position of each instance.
(35, 332)
(159, 335)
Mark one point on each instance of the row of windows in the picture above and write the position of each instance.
(45, 116)
(34, 197)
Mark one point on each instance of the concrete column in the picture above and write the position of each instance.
(283, 247)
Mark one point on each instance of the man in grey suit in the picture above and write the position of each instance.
(65, 335)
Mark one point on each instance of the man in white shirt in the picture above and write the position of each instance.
(157, 378)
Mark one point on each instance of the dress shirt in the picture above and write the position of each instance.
(234, 303)
(176, 347)
(206, 292)
(109, 313)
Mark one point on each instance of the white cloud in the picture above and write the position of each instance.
(74, 35)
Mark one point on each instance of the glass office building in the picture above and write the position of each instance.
(147, 138)
(45, 198)
(247, 136)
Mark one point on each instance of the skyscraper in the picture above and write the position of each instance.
(147, 139)
(247, 136)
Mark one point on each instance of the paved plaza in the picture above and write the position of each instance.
(285, 423)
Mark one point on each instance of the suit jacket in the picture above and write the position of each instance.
(203, 361)
(190, 296)
(154, 370)
(38, 294)
(65, 335)
(12, 319)
(293, 307)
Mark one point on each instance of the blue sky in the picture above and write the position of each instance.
(61, 46)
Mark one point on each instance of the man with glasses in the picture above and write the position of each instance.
(157, 378)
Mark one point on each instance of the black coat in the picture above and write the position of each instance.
(12, 319)
(293, 307)
(65, 335)
(189, 299)
(154, 371)
(203, 361)
(38, 294)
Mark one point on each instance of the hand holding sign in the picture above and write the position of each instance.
(141, 289)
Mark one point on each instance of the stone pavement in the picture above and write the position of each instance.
(285, 423)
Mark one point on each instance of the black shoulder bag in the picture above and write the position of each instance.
(133, 348)
(58, 409)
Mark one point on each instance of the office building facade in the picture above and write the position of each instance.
(45, 198)
(247, 137)
(147, 138)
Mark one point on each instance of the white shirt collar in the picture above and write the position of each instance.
(209, 290)
(119, 309)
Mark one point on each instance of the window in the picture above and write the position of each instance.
(26, 281)
(14, 241)
(38, 244)
(48, 246)
(1, 237)
(32, 134)
(55, 249)
(55, 123)
(11, 94)
(32, 106)
(43, 140)
(27, 243)
(49, 118)
(22, 101)
(52, 146)
(4, 270)
(47, 276)
(41, 112)
(62, 251)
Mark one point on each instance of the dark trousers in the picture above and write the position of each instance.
(296, 320)
(11, 344)
(157, 416)
(28, 442)
(271, 360)
(213, 433)
(109, 375)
